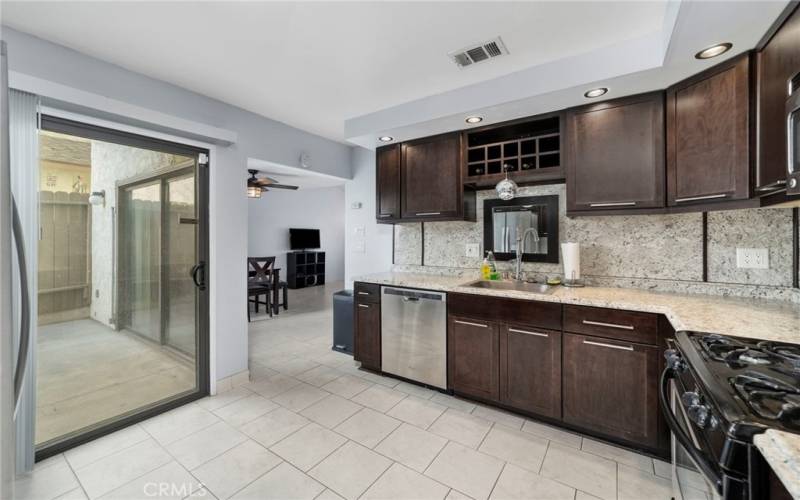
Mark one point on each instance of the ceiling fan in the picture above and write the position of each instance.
(256, 184)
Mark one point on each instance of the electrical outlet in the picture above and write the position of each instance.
(752, 258)
(473, 250)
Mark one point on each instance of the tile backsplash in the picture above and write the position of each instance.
(625, 248)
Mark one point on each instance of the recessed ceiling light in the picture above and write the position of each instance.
(474, 119)
(713, 51)
(386, 138)
(595, 92)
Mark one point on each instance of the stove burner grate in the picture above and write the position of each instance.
(769, 397)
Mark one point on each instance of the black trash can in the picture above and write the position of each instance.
(343, 321)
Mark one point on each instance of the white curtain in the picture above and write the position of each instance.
(24, 150)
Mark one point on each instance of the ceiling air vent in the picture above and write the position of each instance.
(478, 53)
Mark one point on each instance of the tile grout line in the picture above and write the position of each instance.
(75, 475)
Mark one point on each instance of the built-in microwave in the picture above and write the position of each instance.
(793, 136)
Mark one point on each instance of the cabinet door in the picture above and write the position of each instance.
(530, 369)
(431, 185)
(387, 183)
(615, 154)
(368, 335)
(611, 387)
(778, 62)
(708, 138)
(474, 358)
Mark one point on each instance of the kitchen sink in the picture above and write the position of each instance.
(520, 286)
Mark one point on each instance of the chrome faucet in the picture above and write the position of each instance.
(522, 237)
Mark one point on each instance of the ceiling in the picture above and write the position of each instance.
(315, 65)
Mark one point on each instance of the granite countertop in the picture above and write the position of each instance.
(755, 318)
(782, 452)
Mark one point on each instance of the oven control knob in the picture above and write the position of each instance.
(674, 360)
(792, 183)
(690, 399)
(699, 415)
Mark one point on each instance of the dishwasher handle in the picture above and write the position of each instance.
(412, 295)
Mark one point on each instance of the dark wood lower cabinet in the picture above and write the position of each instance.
(367, 348)
(610, 387)
(530, 369)
(473, 355)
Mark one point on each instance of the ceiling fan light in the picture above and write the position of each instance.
(253, 191)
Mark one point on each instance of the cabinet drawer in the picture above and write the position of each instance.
(367, 292)
(633, 326)
(526, 312)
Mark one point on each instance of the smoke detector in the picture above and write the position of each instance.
(479, 52)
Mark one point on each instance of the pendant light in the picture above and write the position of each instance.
(506, 188)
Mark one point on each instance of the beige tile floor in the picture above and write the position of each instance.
(311, 425)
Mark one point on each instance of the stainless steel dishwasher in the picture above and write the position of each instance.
(414, 335)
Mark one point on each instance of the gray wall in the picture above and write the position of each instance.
(276, 211)
(258, 137)
(368, 245)
(643, 247)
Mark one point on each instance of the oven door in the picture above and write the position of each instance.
(694, 474)
(793, 142)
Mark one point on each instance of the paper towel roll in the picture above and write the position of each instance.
(571, 253)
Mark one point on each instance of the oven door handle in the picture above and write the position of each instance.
(681, 436)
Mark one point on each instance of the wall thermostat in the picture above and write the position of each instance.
(305, 160)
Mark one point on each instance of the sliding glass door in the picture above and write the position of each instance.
(158, 257)
(123, 316)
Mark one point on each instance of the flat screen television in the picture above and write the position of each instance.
(303, 239)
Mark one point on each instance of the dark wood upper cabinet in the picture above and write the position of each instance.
(777, 63)
(387, 182)
(708, 135)
(611, 387)
(473, 357)
(615, 154)
(530, 369)
(367, 341)
(431, 185)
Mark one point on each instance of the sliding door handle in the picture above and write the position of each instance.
(200, 266)
(25, 318)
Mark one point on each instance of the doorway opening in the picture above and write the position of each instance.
(123, 298)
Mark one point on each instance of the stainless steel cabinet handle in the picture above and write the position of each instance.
(385, 215)
(615, 204)
(698, 198)
(364, 293)
(537, 334)
(773, 185)
(468, 323)
(611, 346)
(25, 306)
(609, 325)
(422, 214)
(364, 306)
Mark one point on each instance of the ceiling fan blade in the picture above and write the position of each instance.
(282, 186)
(261, 182)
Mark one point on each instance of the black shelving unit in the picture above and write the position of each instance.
(305, 269)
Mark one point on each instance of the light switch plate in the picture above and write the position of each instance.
(752, 258)
(473, 250)
(359, 231)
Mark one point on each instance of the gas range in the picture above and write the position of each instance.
(764, 375)
(718, 392)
